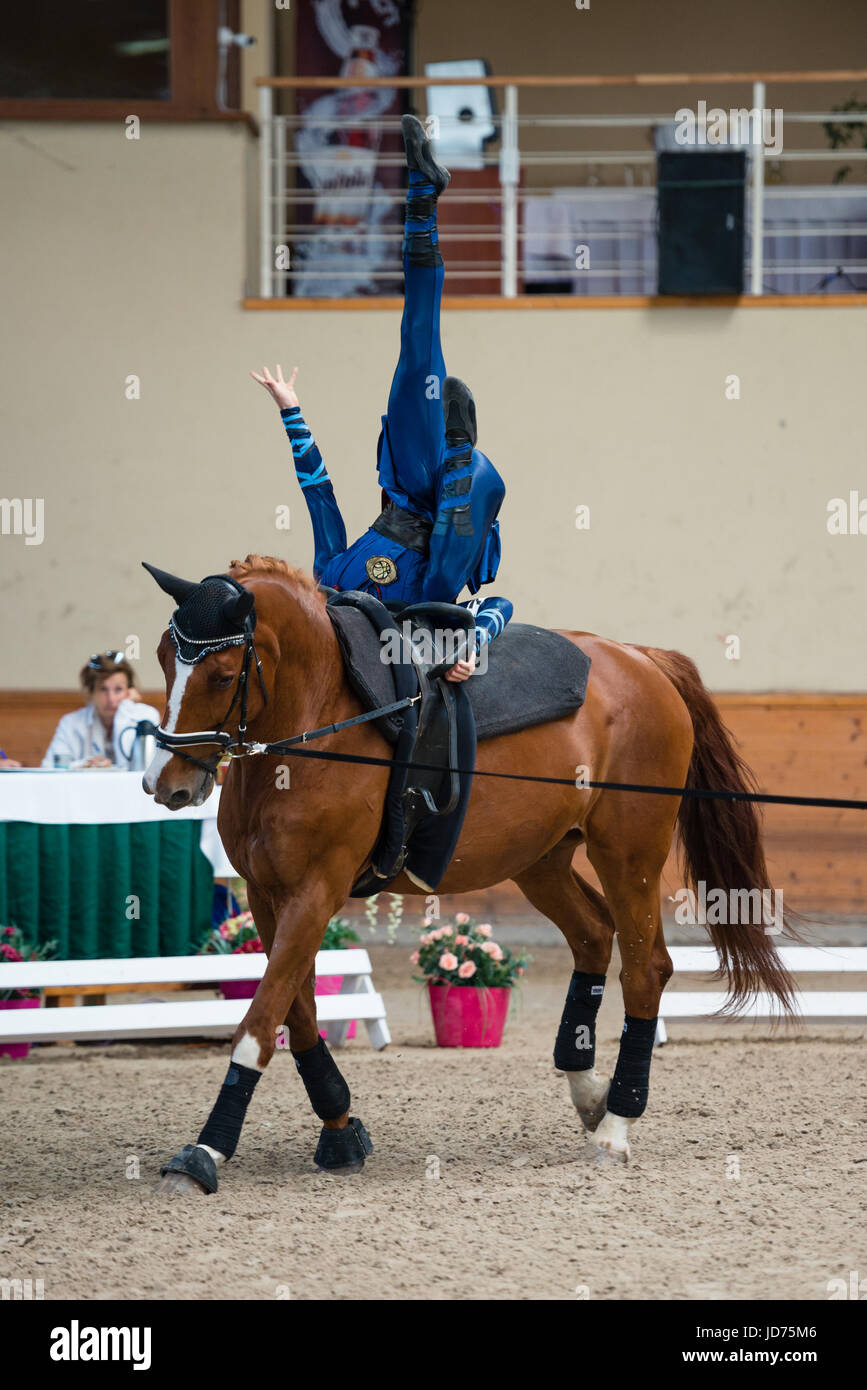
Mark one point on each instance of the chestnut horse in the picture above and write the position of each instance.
(647, 719)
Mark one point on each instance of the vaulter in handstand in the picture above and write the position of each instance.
(438, 529)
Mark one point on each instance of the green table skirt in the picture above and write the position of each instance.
(107, 890)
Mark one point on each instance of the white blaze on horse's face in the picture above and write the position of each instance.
(183, 671)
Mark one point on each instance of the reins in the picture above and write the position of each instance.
(289, 746)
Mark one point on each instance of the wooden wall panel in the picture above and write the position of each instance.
(813, 745)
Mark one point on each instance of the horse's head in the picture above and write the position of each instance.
(215, 684)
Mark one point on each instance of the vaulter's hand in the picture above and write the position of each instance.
(281, 391)
(461, 670)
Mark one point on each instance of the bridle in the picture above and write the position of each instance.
(225, 742)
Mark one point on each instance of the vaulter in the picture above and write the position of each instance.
(441, 495)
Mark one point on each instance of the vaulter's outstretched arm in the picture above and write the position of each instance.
(329, 532)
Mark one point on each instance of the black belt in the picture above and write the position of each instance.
(406, 528)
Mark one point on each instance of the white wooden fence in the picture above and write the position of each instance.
(836, 1004)
(187, 1017)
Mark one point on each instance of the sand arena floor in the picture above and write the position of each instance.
(747, 1177)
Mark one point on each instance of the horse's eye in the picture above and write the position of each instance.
(222, 682)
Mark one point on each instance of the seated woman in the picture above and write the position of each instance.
(101, 733)
(438, 530)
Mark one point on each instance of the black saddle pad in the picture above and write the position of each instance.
(533, 676)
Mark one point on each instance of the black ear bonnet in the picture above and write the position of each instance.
(214, 614)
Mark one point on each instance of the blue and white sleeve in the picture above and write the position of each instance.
(329, 532)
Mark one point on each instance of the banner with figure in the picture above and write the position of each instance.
(354, 221)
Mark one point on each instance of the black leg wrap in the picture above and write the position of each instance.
(575, 1048)
(328, 1092)
(223, 1128)
(343, 1148)
(631, 1080)
(196, 1164)
(421, 249)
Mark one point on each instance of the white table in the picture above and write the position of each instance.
(101, 796)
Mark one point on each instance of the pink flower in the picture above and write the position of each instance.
(414, 957)
(445, 931)
(484, 929)
(447, 961)
(8, 931)
(467, 970)
(461, 918)
(424, 940)
(427, 921)
(491, 949)
(461, 940)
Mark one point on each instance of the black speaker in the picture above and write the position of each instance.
(700, 221)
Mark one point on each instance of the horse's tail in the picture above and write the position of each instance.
(721, 845)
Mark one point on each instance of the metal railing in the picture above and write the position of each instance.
(325, 216)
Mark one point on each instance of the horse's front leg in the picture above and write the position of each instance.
(343, 1142)
(291, 959)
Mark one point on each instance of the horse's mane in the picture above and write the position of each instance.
(270, 564)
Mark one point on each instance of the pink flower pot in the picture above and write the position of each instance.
(19, 1049)
(464, 1016)
(330, 984)
(238, 989)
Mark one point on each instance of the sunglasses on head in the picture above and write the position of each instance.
(95, 662)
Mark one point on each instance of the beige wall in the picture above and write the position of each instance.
(707, 515)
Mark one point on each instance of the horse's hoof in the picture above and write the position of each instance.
(610, 1142)
(589, 1093)
(343, 1151)
(191, 1170)
(178, 1185)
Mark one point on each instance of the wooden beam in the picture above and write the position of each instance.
(194, 60)
(563, 301)
(15, 109)
(636, 79)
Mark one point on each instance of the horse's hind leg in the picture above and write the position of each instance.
(632, 886)
(555, 889)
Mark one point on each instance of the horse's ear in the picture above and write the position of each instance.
(238, 607)
(179, 589)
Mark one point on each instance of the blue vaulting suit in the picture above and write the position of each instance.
(453, 494)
